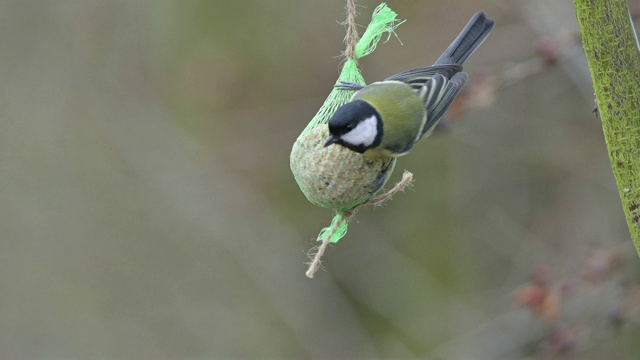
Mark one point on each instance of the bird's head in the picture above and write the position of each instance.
(355, 125)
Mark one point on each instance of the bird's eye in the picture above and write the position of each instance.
(349, 127)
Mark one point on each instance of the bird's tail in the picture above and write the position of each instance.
(472, 36)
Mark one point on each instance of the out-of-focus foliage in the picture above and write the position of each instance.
(147, 209)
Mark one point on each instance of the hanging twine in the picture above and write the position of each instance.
(351, 38)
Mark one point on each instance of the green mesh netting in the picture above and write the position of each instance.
(611, 47)
(335, 177)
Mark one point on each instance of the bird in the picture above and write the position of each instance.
(385, 119)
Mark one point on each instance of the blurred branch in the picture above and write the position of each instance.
(610, 45)
(548, 18)
(486, 86)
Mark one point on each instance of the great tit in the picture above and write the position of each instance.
(387, 118)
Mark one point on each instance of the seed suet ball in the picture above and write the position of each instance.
(334, 176)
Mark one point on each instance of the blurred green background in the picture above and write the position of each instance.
(147, 209)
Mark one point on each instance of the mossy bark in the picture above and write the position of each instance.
(611, 48)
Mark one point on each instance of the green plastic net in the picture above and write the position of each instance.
(335, 177)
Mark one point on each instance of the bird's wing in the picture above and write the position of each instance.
(417, 78)
(438, 93)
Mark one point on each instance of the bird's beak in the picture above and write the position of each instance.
(330, 140)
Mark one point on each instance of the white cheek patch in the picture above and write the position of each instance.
(364, 133)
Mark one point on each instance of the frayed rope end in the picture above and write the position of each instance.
(338, 227)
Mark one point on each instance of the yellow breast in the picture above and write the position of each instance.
(379, 153)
